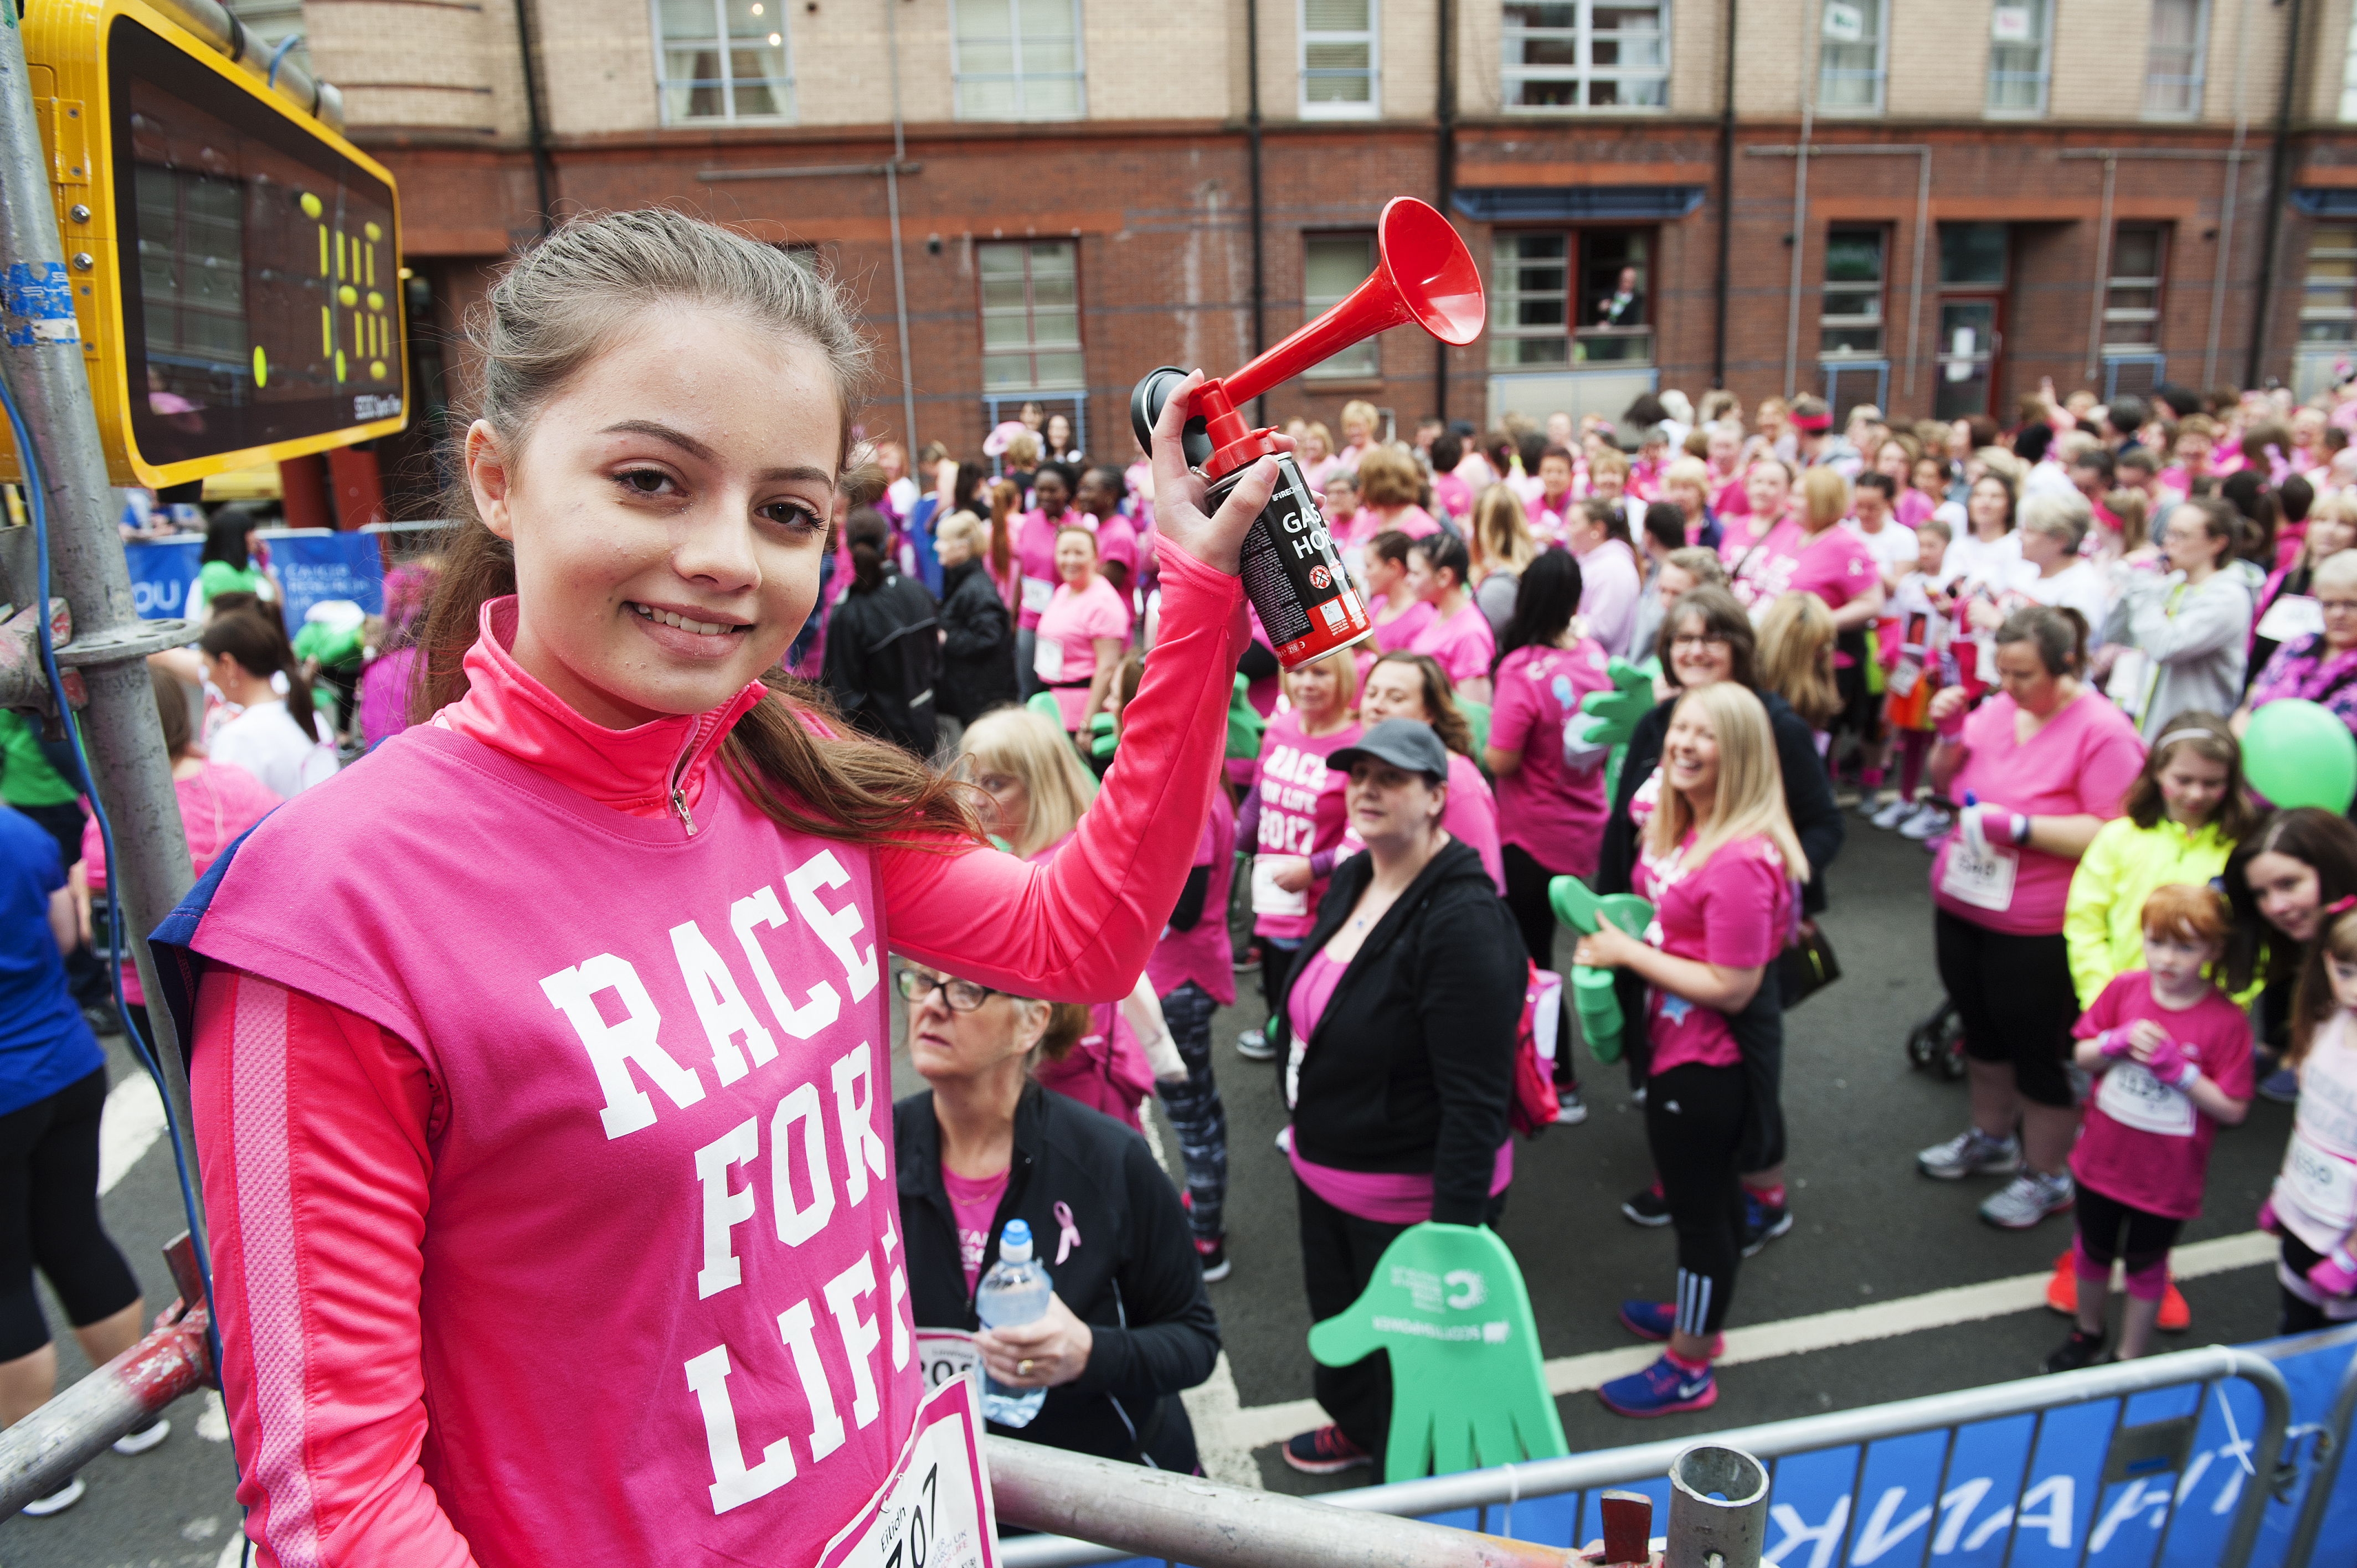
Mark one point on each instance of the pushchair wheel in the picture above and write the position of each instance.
(1938, 1043)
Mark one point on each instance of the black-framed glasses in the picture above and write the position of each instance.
(962, 995)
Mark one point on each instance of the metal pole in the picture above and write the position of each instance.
(899, 271)
(1800, 251)
(1727, 1530)
(1184, 1519)
(537, 131)
(1915, 275)
(43, 368)
(1445, 113)
(2278, 176)
(2102, 274)
(1253, 157)
(1725, 208)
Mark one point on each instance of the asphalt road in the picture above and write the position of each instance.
(1868, 1230)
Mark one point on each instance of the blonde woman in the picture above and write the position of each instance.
(1039, 792)
(1502, 549)
(1718, 863)
(1796, 657)
(1390, 486)
(1360, 421)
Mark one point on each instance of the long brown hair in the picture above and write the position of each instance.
(553, 310)
(2208, 737)
(1440, 710)
(255, 640)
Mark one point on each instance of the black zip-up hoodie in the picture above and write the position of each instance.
(1133, 1278)
(1411, 1068)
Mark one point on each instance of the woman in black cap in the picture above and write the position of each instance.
(1403, 1008)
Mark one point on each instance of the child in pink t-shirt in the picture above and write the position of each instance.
(2174, 1059)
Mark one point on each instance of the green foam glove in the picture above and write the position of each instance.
(1469, 1386)
(1244, 723)
(1477, 716)
(1100, 737)
(1581, 907)
(1044, 704)
(1593, 998)
(1612, 716)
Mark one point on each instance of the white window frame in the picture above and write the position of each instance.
(1880, 11)
(1363, 360)
(2344, 316)
(1879, 320)
(2196, 81)
(2043, 76)
(1372, 36)
(2349, 73)
(721, 36)
(1512, 73)
(2138, 315)
(1033, 346)
(1077, 75)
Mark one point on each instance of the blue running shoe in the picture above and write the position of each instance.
(1653, 1320)
(2282, 1085)
(1663, 1389)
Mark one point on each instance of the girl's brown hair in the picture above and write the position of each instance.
(254, 640)
(2205, 735)
(1006, 501)
(1796, 656)
(2336, 937)
(1721, 615)
(1500, 536)
(553, 312)
(1440, 710)
(1388, 478)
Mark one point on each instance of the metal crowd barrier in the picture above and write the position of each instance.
(2332, 1446)
(2133, 1453)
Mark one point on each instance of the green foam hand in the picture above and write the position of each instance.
(1612, 716)
(1044, 704)
(1469, 1387)
(1101, 736)
(1244, 723)
(1580, 907)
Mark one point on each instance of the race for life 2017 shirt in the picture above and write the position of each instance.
(1202, 954)
(1065, 655)
(2145, 1143)
(1553, 811)
(1300, 813)
(974, 1204)
(2316, 1193)
(1035, 560)
(1835, 565)
(2079, 764)
(1463, 645)
(1735, 910)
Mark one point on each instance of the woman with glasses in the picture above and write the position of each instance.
(2320, 666)
(1707, 638)
(1129, 1325)
(2191, 621)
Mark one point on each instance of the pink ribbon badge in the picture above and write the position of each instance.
(1071, 1233)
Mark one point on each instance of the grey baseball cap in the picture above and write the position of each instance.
(1403, 743)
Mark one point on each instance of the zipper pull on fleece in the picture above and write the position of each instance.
(679, 806)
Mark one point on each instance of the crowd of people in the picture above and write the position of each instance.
(1045, 781)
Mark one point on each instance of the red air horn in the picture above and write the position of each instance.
(1423, 273)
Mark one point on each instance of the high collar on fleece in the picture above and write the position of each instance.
(631, 770)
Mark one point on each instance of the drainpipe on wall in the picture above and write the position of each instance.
(543, 171)
(1725, 208)
(1252, 144)
(1444, 105)
(2278, 176)
(893, 204)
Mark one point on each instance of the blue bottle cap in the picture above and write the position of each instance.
(1014, 1242)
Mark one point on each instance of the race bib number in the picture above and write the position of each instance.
(1037, 592)
(2321, 1183)
(2294, 614)
(1267, 897)
(935, 1511)
(2132, 1097)
(1047, 659)
(947, 1354)
(1983, 879)
(1903, 676)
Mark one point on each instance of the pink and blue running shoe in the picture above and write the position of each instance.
(1663, 1389)
(1653, 1320)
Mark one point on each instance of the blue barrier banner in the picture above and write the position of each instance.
(161, 573)
(315, 566)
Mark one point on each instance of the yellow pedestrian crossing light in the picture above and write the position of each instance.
(234, 261)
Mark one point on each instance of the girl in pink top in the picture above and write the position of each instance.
(1399, 614)
(1458, 635)
(1294, 811)
(1034, 546)
(1718, 863)
(1389, 483)
(1413, 686)
(2173, 1057)
(1077, 648)
(693, 1341)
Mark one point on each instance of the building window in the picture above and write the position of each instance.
(1018, 60)
(1331, 266)
(1850, 319)
(1850, 58)
(2328, 306)
(1557, 299)
(725, 60)
(2020, 34)
(1590, 54)
(2172, 72)
(1340, 59)
(2349, 74)
(1030, 316)
(2132, 292)
(1972, 255)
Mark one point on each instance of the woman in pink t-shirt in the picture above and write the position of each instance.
(1077, 646)
(1389, 484)
(1814, 553)
(1718, 863)
(2038, 767)
(1035, 554)
(1551, 802)
(1459, 635)
(1400, 617)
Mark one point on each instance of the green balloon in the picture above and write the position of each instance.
(2296, 752)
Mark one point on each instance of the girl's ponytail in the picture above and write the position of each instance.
(2336, 937)
(255, 639)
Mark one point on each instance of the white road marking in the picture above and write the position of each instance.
(127, 1128)
(212, 1422)
(1260, 1425)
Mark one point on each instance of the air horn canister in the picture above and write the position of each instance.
(1292, 569)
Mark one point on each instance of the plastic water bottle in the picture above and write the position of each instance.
(1015, 1290)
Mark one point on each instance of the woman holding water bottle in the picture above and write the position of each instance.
(995, 1171)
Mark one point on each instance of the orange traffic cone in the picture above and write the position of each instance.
(2176, 1317)
(2063, 1290)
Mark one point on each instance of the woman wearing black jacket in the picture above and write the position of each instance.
(1129, 1325)
(977, 630)
(883, 643)
(1705, 638)
(1403, 1008)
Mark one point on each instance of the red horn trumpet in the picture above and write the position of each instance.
(1296, 581)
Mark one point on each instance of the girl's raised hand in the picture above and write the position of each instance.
(1216, 541)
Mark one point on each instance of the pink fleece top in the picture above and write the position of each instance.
(548, 1154)
(1552, 811)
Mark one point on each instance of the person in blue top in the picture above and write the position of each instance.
(52, 1091)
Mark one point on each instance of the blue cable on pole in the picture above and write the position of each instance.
(36, 498)
(284, 44)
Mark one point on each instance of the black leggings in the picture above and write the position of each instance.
(49, 1217)
(2300, 1316)
(2014, 997)
(1694, 1117)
